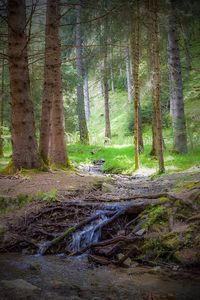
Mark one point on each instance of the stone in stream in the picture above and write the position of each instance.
(107, 188)
(18, 289)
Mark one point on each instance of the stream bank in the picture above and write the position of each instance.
(64, 278)
(150, 221)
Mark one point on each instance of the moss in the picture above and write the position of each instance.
(9, 169)
(155, 215)
(180, 186)
(164, 199)
(171, 241)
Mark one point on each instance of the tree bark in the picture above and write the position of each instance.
(58, 153)
(2, 106)
(111, 72)
(128, 74)
(86, 97)
(136, 61)
(105, 84)
(156, 83)
(52, 136)
(48, 89)
(84, 136)
(25, 151)
(177, 101)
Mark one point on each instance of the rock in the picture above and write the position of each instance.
(3, 230)
(127, 262)
(107, 188)
(140, 232)
(34, 266)
(19, 289)
(57, 284)
(187, 257)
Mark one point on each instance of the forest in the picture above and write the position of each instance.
(100, 149)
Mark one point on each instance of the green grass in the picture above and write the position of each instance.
(120, 159)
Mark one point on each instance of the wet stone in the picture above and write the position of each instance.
(18, 289)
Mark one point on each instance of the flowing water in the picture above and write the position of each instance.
(91, 233)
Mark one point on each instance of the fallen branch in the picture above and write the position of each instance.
(44, 247)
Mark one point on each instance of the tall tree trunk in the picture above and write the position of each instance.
(105, 83)
(156, 83)
(52, 135)
(25, 152)
(150, 68)
(2, 106)
(101, 86)
(84, 136)
(141, 143)
(86, 97)
(111, 72)
(128, 74)
(58, 153)
(49, 83)
(177, 102)
(136, 61)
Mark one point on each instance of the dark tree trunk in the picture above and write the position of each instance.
(2, 106)
(136, 61)
(188, 58)
(58, 154)
(105, 84)
(156, 83)
(177, 102)
(47, 99)
(25, 151)
(84, 136)
(52, 136)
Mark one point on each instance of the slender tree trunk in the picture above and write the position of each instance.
(106, 102)
(150, 68)
(141, 143)
(84, 137)
(111, 72)
(177, 102)
(156, 83)
(136, 61)
(25, 152)
(101, 86)
(105, 84)
(49, 83)
(2, 106)
(86, 97)
(128, 74)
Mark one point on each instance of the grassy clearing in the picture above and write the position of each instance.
(120, 159)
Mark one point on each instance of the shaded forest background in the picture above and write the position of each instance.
(108, 63)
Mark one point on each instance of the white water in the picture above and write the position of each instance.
(91, 233)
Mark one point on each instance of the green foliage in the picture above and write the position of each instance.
(50, 196)
(23, 199)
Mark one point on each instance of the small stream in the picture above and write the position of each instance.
(91, 233)
(64, 278)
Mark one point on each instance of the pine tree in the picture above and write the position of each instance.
(25, 152)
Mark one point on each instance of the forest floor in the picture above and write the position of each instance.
(141, 235)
